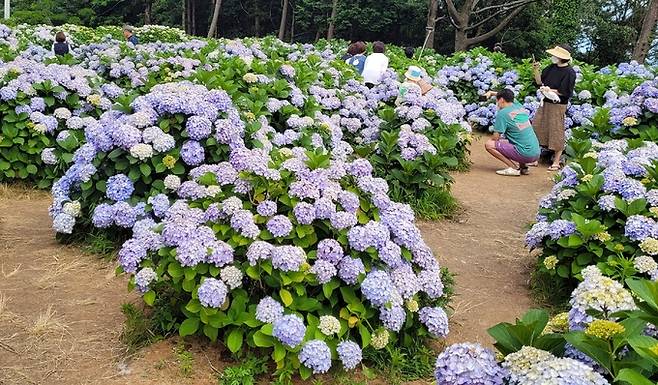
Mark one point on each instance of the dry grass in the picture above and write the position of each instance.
(21, 191)
(55, 270)
(47, 322)
(11, 273)
(4, 305)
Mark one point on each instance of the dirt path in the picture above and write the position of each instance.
(60, 309)
(484, 246)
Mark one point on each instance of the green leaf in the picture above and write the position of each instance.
(189, 327)
(175, 270)
(211, 332)
(365, 335)
(263, 341)
(632, 377)
(149, 297)
(279, 352)
(234, 340)
(145, 169)
(194, 306)
(286, 297)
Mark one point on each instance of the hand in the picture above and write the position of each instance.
(535, 66)
(490, 94)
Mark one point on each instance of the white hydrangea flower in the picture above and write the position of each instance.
(250, 78)
(141, 151)
(380, 339)
(40, 128)
(232, 276)
(172, 182)
(212, 191)
(649, 246)
(62, 113)
(644, 264)
(329, 325)
(566, 194)
(72, 208)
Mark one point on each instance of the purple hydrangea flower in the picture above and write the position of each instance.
(639, 227)
(316, 355)
(330, 250)
(192, 153)
(212, 293)
(393, 318)
(435, 319)
(132, 252)
(198, 127)
(268, 310)
(266, 208)
(349, 270)
(289, 330)
(561, 228)
(430, 283)
(468, 364)
(377, 287)
(323, 270)
(143, 279)
(259, 251)
(279, 226)
(288, 258)
(103, 216)
(304, 213)
(350, 354)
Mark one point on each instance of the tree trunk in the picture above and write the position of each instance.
(147, 12)
(643, 43)
(193, 15)
(292, 24)
(212, 31)
(332, 20)
(284, 21)
(184, 16)
(461, 40)
(257, 25)
(431, 21)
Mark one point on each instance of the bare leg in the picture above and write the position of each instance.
(490, 146)
(556, 159)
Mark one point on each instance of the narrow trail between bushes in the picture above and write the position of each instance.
(483, 246)
(60, 308)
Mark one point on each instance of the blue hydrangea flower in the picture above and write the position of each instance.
(119, 187)
(393, 318)
(316, 355)
(304, 213)
(349, 270)
(377, 287)
(268, 310)
(192, 153)
(212, 293)
(561, 228)
(288, 258)
(198, 127)
(103, 216)
(468, 364)
(349, 353)
(143, 279)
(435, 319)
(639, 227)
(63, 223)
(266, 208)
(289, 330)
(323, 270)
(279, 226)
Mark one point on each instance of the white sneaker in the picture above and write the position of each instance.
(509, 172)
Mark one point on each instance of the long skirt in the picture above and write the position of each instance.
(549, 125)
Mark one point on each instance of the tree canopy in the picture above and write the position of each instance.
(604, 31)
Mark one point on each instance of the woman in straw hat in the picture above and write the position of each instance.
(557, 79)
(413, 81)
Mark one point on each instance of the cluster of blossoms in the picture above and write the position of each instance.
(480, 73)
(468, 364)
(531, 366)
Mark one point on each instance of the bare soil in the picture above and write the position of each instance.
(484, 246)
(60, 308)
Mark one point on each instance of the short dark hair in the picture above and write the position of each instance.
(60, 37)
(378, 47)
(506, 94)
(409, 52)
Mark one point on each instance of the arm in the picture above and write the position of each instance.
(496, 136)
(536, 73)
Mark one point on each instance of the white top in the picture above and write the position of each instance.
(374, 68)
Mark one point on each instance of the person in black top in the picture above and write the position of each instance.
(558, 79)
(409, 52)
(60, 47)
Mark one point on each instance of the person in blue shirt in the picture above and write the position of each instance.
(357, 58)
(129, 35)
(520, 145)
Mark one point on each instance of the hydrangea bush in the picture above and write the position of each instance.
(600, 212)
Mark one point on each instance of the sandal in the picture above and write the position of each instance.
(554, 167)
(533, 164)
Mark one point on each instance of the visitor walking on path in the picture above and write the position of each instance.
(129, 35)
(60, 46)
(375, 65)
(520, 145)
(559, 78)
(357, 57)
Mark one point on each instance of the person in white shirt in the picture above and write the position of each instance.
(375, 65)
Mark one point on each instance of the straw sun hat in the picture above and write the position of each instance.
(559, 52)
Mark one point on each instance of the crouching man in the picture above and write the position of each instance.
(514, 141)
